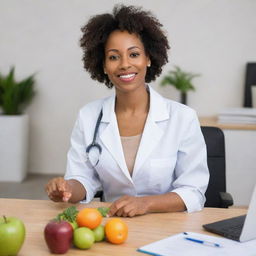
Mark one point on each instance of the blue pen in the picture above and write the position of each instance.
(202, 242)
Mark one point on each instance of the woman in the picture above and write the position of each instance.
(152, 155)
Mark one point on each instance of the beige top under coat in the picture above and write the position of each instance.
(130, 147)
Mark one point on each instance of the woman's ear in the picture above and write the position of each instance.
(104, 70)
(149, 63)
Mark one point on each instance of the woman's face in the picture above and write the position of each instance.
(125, 61)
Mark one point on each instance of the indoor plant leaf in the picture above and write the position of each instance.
(15, 96)
(181, 80)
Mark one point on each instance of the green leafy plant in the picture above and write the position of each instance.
(15, 96)
(104, 211)
(68, 214)
(181, 80)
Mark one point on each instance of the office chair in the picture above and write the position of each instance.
(216, 195)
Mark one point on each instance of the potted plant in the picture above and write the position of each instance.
(181, 80)
(14, 98)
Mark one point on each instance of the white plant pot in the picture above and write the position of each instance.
(253, 88)
(13, 147)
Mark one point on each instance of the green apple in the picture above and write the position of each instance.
(83, 238)
(99, 233)
(12, 235)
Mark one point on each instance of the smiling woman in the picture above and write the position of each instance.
(146, 152)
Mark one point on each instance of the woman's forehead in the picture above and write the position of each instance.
(123, 40)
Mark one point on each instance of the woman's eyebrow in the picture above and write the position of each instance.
(130, 48)
(133, 47)
(112, 50)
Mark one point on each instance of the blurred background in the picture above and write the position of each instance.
(214, 38)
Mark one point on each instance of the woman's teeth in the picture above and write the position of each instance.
(127, 76)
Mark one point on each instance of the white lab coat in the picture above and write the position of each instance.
(171, 154)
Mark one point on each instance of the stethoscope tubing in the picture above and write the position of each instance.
(94, 144)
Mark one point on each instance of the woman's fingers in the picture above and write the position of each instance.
(128, 206)
(66, 196)
(58, 190)
(115, 207)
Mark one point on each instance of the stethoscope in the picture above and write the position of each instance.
(94, 144)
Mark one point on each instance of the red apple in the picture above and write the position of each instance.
(58, 236)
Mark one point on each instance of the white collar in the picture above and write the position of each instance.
(157, 110)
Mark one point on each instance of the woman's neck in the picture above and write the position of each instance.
(132, 102)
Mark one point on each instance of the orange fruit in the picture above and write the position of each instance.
(89, 217)
(116, 231)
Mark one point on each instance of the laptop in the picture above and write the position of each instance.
(241, 228)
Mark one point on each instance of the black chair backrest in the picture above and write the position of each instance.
(215, 143)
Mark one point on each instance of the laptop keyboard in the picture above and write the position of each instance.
(230, 228)
(233, 232)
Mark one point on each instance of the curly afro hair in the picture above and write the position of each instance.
(125, 18)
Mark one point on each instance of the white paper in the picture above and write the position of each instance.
(177, 245)
(238, 115)
(237, 119)
(249, 112)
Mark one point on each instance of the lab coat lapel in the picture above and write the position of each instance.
(152, 132)
(110, 136)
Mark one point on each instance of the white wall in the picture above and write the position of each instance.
(212, 37)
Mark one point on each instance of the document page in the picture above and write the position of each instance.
(195, 244)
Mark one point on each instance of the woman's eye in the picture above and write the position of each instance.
(134, 54)
(113, 57)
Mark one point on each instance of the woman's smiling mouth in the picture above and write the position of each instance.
(127, 77)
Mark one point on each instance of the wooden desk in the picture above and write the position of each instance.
(142, 229)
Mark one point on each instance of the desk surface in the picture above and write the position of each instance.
(142, 229)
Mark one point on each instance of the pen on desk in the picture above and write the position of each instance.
(202, 242)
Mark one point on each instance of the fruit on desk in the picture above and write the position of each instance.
(83, 238)
(12, 235)
(116, 231)
(89, 217)
(58, 236)
(99, 233)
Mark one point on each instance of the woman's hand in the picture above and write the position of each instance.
(129, 206)
(58, 190)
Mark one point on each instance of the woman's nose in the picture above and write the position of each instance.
(124, 63)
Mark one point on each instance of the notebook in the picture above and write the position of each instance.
(241, 228)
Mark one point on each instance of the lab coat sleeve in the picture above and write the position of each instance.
(191, 171)
(77, 167)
